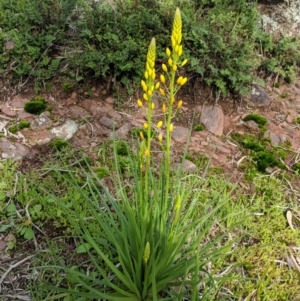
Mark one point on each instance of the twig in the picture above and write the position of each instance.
(12, 267)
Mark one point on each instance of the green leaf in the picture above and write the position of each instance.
(3, 228)
(28, 233)
(11, 208)
(83, 248)
(2, 195)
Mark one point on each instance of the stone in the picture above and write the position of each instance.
(292, 115)
(65, 131)
(251, 124)
(115, 115)
(212, 117)
(180, 134)
(110, 100)
(259, 96)
(275, 139)
(108, 122)
(12, 150)
(8, 111)
(186, 166)
(94, 107)
(42, 122)
(122, 132)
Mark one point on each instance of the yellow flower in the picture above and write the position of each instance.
(174, 68)
(177, 48)
(147, 153)
(173, 42)
(153, 74)
(139, 103)
(168, 52)
(146, 75)
(171, 128)
(162, 92)
(164, 67)
(162, 78)
(184, 80)
(152, 106)
(146, 255)
(172, 100)
(179, 105)
(142, 135)
(164, 109)
(151, 53)
(145, 125)
(184, 63)
(170, 62)
(149, 93)
(177, 26)
(144, 86)
(145, 96)
(157, 85)
(179, 80)
(179, 52)
(160, 137)
(159, 124)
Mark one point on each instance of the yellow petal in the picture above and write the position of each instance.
(157, 85)
(174, 68)
(172, 100)
(184, 80)
(146, 75)
(139, 103)
(162, 78)
(145, 125)
(184, 62)
(168, 51)
(145, 96)
(142, 135)
(179, 80)
(152, 106)
(180, 51)
(160, 137)
(171, 127)
(164, 67)
(164, 109)
(179, 105)
(170, 62)
(162, 92)
(159, 124)
(147, 153)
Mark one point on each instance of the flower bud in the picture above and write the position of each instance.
(152, 106)
(162, 78)
(145, 96)
(146, 254)
(168, 52)
(174, 68)
(147, 153)
(145, 125)
(159, 124)
(179, 80)
(179, 105)
(183, 81)
(164, 67)
(164, 109)
(184, 63)
(139, 103)
(171, 127)
(170, 62)
(146, 75)
(172, 100)
(162, 92)
(160, 137)
(142, 135)
(179, 52)
(157, 85)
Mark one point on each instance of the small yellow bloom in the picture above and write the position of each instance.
(171, 128)
(172, 100)
(179, 80)
(153, 75)
(164, 67)
(157, 85)
(179, 52)
(145, 125)
(146, 75)
(162, 92)
(168, 52)
(145, 96)
(152, 106)
(144, 86)
(184, 81)
(174, 68)
(164, 109)
(170, 62)
(179, 38)
(173, 42)
(179, 105)
(147, 153)
(146, 255)
(160, 137)
(142, 135)
(159, 124)
(162, 78)
(149, 93)
(149, 71)
(139, 103)
(184, 63)
(177, 48)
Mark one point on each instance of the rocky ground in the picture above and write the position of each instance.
(89, 120)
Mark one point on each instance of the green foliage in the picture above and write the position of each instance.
(59, 144)
(257, 118)
(199, 128)
(35, 106)
(21, 125)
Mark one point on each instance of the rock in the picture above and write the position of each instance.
(115, 115)
(42, 122)
(180, 134)
(259, 96)
(10, 150)
(110, 100)
(212, 117)
(187, 166)
(122, 132)
(251, 124)
(275, 139)
(292, 115)
(78, 112)
(8, 111)
(65, 131)
(94, 107)
(108, 122)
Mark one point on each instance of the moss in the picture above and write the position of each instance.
(296, 167)
(35, 106)
(102, 172)
(297, 120)
(256, 118)
(277, 85)
(122, 148)
(252, 145)
(264, 160)
(13, 129)
(23, 124)
(199, 128)
(59, 144)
